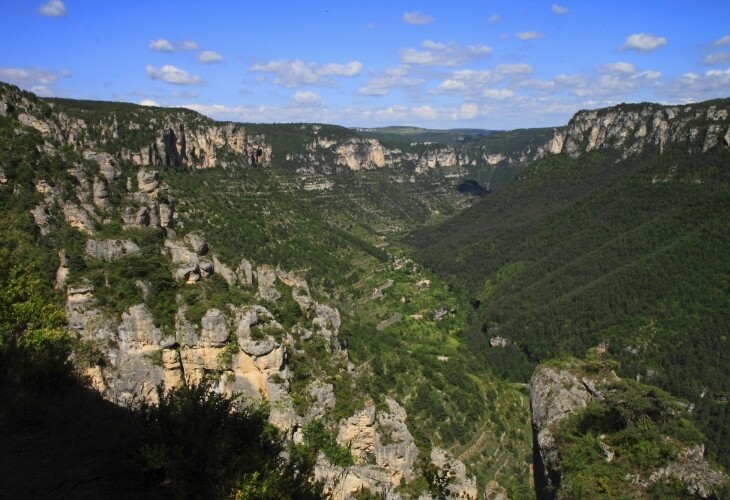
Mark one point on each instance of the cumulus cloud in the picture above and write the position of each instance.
(209, 57)
(717, 58)
(31, 77)
(623, 68)
(390, 78)
(424, 112)
(172, 74)
(53, 8)
(417, 18)
(307, 98)
(494, 19)
(722, 41)
(514, 69)
(161, 45)
(559, 9)
(468, 80)
(529, 35)
(468, 111)
(293, 73)
(148, 102)
(498, 94)
(353, 68)
(444, 55)
(643, 42)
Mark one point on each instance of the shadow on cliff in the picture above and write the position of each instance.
(69, 444)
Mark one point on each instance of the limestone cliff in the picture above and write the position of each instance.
(634, 128)
(136, 134)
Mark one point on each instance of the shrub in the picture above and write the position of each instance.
(208, 445)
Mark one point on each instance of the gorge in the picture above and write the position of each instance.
(334, 275)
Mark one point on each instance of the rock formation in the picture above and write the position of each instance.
(559, 390)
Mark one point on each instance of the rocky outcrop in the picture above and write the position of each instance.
(382, 447)
(110, 250)
(559, 390)
(555, 393)
(176, 138)
(361, 154)
(461, 485)
(634, 128)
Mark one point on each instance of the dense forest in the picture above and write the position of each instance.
(583, 251)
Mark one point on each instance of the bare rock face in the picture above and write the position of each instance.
(383, 449)
(633, 129)
(110, 250)
(461, 486)
(63, 269)
(77, 217)
(148, 180)
(361, 154)
(214, 329)
(225, 272)
(196, 241)
(107, 165)
(694, 471)
(266, 276)
(244, 272)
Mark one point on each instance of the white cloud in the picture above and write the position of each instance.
(722, 41)
(643, 42)
(559, 9)
(417, 18)
(148, 102)
(468, 111)
(424, 112)
(494, 19)
(529, 35)
(161, 45)
(292, 73)
(209, 57)
(42, 91)
(717, 58)
(31, 77)
(514, 69)
(188, 45)
(353, 68)
(172, 74)
(387, 80)
(53, 8)
(468, 81)
(623, 68)
(444, 55)
(307, 98)
(498, 94)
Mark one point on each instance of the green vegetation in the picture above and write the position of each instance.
(640, 427)
(210, 446)
(596, 249)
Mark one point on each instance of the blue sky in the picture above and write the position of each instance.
(493, 64)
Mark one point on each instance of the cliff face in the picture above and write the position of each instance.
(142, 136)
(634, 128)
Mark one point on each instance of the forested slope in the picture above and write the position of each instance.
(595, 249)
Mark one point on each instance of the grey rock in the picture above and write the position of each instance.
(110, 250)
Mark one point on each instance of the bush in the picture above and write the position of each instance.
(208, 445)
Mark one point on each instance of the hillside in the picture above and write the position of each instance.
(619, 241)
(179, 258)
